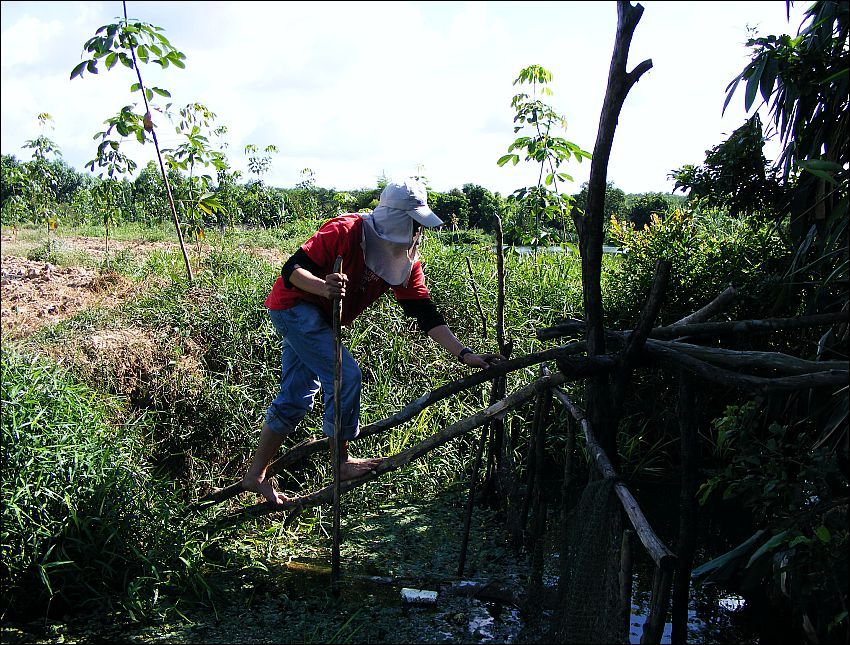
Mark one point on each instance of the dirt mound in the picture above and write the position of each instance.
(34, 294)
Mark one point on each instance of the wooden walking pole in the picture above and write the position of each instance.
(337, 438)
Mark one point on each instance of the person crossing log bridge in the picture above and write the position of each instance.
(380, 253)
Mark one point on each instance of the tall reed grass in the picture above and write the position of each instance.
(82, 518)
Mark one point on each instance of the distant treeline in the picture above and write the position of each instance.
(73, 199)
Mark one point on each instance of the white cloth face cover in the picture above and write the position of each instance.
(388, 245)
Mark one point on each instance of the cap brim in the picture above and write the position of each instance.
(425, 216)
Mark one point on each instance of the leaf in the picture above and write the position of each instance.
(768, 546)
(753, 84)
(823, 534)
(730, 91)
(723, 567)
(835, 76)
(78, 70)
(111, 59)
(91, 66)
(820, 168)
(819, 164)
(768, 78)
(162, 92)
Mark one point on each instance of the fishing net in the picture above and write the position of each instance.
(589, 589)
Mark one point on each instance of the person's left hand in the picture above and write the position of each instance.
(482, 360)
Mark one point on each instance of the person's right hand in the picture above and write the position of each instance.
(335, 285)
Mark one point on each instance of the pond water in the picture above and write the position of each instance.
(286, 598)
(528, 250)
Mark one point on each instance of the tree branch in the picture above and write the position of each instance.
(572, 327)
(573, 366)
(654, 546)
(325, 495)
(745, 381)
(714, 307)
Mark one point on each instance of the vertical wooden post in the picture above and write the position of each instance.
(337, 438)
(626, 584)
(566, 487)
(590, 227)
(531, 473)
(686, 541)
(470, 502)
(497, 426)
(653, 628)
(539, 507)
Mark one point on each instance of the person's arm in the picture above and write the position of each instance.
(302, 272)
(444, 336)
(333, 286)
(415, 301)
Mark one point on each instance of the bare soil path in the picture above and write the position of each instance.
(34, 294)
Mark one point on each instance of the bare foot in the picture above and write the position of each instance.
(354, 468)
(263, 487)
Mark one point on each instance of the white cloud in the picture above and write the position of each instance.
(352, 90)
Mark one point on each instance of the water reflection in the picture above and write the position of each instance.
(528, 250)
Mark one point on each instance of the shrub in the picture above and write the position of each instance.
(708, 251)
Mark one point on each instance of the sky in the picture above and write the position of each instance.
(359, 90)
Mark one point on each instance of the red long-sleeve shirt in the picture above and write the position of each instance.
(342, 236)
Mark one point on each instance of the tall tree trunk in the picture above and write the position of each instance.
(590, 227)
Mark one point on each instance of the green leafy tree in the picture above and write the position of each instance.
(451, 207)
(14, 191)
(735, 175)
(260, 163)
(193, 154)
(615, 206)
(228, 190)
(113, 165)
(41, 182)
(483, 206)
(640, 209)
(539, 144)
(804, 81)
(258, 204)
(149, 192)
(128, 43)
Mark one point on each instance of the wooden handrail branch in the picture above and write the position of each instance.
(778, 361)
(576, 369)
(661, 555)
(741, 359)
(573, 327)
(325, 495)
(711, 309)
(746, 382)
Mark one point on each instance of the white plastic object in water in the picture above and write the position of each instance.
(419, 596)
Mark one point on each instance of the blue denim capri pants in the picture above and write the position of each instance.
(306, 364)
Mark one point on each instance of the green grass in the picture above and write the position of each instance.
(82, 518)
(216, 362)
